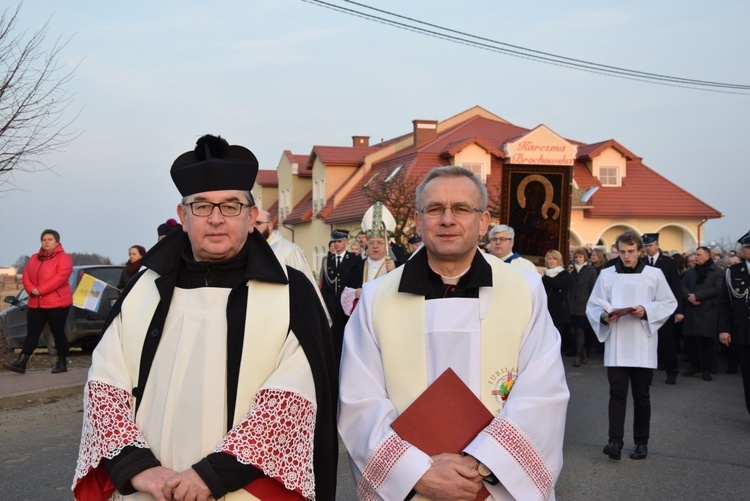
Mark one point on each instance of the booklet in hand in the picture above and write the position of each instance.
(446, 417)
(614, 312)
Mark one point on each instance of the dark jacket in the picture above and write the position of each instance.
(581, 284)
(557, 297)
(702, 320)
(667, 265)
(734, 304)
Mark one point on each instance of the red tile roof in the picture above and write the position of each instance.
(274, 211)
(302, 212)
(643, 194)
(341, 155)
(589, 151)
(304, 169)
(267, 178)
(648, 195)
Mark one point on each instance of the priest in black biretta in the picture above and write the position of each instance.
(212, 352)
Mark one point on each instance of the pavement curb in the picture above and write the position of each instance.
(25, 398)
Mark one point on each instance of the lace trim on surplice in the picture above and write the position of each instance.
(276, 436)
(107, 426)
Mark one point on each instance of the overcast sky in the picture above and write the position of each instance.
(286, 74)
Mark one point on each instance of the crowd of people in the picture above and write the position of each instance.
(227, 369)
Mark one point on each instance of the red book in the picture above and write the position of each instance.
(446, 417)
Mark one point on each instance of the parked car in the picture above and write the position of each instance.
(83, 327)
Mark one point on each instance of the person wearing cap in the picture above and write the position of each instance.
(335, 270)
(453, 306)
(288, 253)
(415, 243)
(378, 224)
(501, 246)
(213, 352)
(734, 312)
(164, 228)
(645, 301)
(667, 345)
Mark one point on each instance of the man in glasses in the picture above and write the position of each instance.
(452, 306)
(211, 353)
(501, 246)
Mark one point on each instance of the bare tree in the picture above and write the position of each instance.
(32, 98)
(397, 191)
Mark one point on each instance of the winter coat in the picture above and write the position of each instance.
(581, 285)
(557, 297)
(702, 320)
(51, 278)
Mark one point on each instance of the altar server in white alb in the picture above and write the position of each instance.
(452, 306)
(630, 341)
(215, 377)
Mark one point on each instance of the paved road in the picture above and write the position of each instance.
(699, 448)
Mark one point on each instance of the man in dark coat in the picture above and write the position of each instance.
(336, 268)
(734, 312)
(667, 350)
(701, 286)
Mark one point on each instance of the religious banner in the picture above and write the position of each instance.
(535, 202)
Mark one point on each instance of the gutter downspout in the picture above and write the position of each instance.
(699, 230)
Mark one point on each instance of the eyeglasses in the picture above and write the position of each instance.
(458, 210)
(500, 239)
(258, 223)
(227, 209)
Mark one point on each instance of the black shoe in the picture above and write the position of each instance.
(671, 379)
(706, 376)
(19, 365)
(640, 452)
(732, 370)
(61, 366)
(613, 450)
(690, 372)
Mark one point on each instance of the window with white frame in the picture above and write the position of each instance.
(609, 176)
(477, 168)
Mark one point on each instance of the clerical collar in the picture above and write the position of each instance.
(418, 278)
(452, 280)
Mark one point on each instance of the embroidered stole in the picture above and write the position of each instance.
(266, 328)
(398, 320)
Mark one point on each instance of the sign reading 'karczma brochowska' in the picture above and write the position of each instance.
(541, 146)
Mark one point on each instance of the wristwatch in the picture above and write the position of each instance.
(487, 474)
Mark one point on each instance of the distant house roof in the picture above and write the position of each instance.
(267, 178)
(643, 194)
(302, 212)
(341, 155)
(647, 194)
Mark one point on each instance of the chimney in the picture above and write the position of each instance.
(360, 141)
(424, 130)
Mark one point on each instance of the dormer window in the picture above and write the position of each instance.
(477, 168)
(609, 176)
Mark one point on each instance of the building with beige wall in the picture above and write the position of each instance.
(612, 189)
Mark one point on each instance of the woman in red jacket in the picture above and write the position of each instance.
(45, 279)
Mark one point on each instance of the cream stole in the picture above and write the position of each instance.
(398, 319)
(266, 331)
